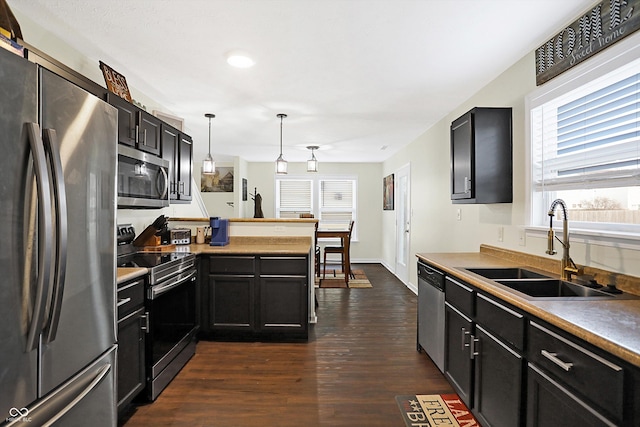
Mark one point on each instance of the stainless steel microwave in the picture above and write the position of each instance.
(143, 179)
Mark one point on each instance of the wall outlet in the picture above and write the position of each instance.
(459, 214)
(500, 234)
(522, 237)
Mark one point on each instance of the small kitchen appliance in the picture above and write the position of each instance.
(180, 236)
(219, 231)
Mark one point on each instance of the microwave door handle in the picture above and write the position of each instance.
(44, 237)
(61, 232)
(165, 187)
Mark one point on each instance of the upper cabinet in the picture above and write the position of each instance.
(481, 156)
(136, 127)
(177, 149)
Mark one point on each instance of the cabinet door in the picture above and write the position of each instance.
(185, 167)
(131, 353)
(170, 138)
(283, 304)
(462, 182)
(231, 303)
(149, 133)
(126, 119)
(498, 381)
(458, 365)
(549, 404)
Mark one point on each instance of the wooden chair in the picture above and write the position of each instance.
(342, 250)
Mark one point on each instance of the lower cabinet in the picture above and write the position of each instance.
(458, 365)
(512, 369)
(132, 325)
(498, 381)
(255, 297)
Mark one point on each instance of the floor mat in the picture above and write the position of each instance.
(435, 410)
(335, 279)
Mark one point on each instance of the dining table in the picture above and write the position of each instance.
(343, 234)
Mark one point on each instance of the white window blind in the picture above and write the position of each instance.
(589, 137)
(337, 200)
(294, 197)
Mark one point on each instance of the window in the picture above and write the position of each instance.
(330, 199)
(585, 148)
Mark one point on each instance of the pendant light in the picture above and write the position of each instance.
(208, 164)
(281, 164)
(312, 163)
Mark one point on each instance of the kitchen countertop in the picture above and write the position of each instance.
(240, 245)
(125, 274)
(612, 325)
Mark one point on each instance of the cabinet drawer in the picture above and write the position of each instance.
(232, 265)
(460, 296)
(589, 374)
(276, 265)
(508, 324)
(130, 297)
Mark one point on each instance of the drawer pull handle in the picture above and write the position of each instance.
(122, 302)
(554, 358)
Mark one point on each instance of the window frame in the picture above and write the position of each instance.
(316, 202)
(619, 235)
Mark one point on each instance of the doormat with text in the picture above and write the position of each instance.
(435, 410)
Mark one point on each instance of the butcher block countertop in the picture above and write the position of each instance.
(612, 325)
(259, 245)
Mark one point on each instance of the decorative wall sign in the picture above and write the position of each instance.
(219, 182)
(116, 83)
(601, 27)
(244, 189)
(387, 195)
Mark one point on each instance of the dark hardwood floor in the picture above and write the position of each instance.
(360, 355)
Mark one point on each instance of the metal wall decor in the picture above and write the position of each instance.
(605, 24)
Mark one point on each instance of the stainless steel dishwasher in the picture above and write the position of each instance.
(431, 313)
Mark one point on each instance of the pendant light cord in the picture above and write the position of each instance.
(281, 117)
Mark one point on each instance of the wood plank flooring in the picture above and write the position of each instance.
(360, 355)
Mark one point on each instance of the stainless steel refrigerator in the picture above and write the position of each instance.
(57, 238)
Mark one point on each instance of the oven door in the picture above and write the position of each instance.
(143, 180)
(172, 328)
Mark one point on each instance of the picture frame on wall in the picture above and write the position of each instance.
(219, 182)
(387, 193)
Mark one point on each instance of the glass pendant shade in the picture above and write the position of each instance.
(312, 163)
(208, 164)
(281, 163)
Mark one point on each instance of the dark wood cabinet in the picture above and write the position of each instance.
(136, 127)
(132, 327)
(177, 149)
(481, 156)
(256, 297)
(458, 364)
(498, 381)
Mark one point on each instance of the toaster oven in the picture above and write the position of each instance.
(180, 236)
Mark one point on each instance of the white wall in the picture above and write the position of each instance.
(434, 224)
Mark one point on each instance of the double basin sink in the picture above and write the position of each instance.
(538, 285)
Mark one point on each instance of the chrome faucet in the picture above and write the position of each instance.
(567, 266)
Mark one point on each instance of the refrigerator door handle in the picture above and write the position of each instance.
(50, 409)
(61, 231)
(44, 237)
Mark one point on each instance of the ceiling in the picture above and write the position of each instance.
(359, 78)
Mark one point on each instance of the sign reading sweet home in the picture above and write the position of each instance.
(116, 83)
(601, 27)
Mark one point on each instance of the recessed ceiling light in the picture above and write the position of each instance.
(240, 59)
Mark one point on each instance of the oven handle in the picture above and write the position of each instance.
(156, 291)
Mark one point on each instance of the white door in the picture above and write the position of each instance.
(403, 222)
